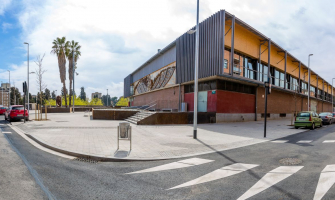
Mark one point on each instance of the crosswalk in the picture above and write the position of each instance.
(301, 141)
(271, 178)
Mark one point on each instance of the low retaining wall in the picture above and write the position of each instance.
(177, 118)
(56, 110)
(112, 114)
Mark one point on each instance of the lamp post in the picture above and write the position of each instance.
(2, 94)
(195, 113)
(27, 76)
(9, 90)
(332, 95)
(309, 79)
(107, 98)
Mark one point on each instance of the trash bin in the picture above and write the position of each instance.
(124, 129)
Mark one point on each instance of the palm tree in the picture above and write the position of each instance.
(59, 48)
(72, 50)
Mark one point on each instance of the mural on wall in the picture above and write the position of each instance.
(164, 77)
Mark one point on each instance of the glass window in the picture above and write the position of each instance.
(225, 64)
(277, 77)
(302, 114)
(265, 73)
(282, 79)
(260, 72)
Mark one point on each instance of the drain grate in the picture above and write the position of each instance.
(290, 161)
(86, 160)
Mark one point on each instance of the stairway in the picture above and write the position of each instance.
(139, 116)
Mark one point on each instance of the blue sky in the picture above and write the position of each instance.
(118, 36)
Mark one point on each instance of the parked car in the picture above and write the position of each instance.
(327, 117)
(2, 110)
(15, 112)
(308, 119)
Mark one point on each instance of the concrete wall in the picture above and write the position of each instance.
(178, 118)
(112, 114)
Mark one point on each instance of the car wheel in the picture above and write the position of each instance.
(296, 127)
(313, 126)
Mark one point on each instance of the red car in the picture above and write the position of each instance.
(15, 112)
(2, 110)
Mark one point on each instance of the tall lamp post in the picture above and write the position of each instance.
(309, 80)
(107, 98)
(333, 95)
(9, 90)
(196, 64)
(27, 76)
(2, 94)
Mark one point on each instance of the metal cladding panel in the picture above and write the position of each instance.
(211, 38)
(163, 60)
(126, 87)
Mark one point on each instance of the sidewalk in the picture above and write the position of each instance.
(79, 135)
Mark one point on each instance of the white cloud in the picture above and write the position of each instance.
(3, 5)
(118, 36)
(6, 26)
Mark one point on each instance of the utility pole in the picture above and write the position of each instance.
(73, 66)
(9, 91)
(309, 80)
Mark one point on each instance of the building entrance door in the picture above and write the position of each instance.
(202, 101)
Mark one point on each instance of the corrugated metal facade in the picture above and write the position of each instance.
(211, 49)
(126, 85)
(166, 58)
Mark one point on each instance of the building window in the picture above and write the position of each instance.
(260, 72)
(312, 91)
(225, 66)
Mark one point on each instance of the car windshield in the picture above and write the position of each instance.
(17, 108)
(324, 114)
(303, 114)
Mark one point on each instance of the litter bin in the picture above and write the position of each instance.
(124, 129)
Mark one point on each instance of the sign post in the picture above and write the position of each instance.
(267, 91)
(24, 100)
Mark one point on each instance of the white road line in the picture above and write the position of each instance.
(175, 165)
(279, 141)
(6, 132)
(326, 181)
(328, 141)
(305, 141)
(218, 174)
(270, 179)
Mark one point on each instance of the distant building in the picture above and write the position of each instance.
(5, 85)
(96, 94)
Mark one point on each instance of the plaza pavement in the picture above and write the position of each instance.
(78, 134)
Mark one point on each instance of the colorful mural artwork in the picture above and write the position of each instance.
(164, 77)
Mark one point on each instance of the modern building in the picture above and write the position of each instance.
(4, 94)
(234, 62)
(96, 94)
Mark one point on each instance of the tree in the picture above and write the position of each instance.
(82, 94)
(106, 100)
(114, 100)
(72, 50)
(62, 92)
(15, 96)
(40, 98)
(31, 99)
(122, 102)
(59, 48)
(39, 75)
(95, 96)
(47, 94)
(53, 95)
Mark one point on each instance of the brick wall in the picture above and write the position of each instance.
(166, 98)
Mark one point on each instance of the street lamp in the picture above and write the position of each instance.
(332, 95)
(9, 90)
(27, 76)
(309, 79)
(2, 94)
(196, 64)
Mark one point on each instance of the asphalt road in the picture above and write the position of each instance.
(253, 172)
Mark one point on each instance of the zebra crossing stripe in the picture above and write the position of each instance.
(305, 141)
(328, 141)
(175, 165)
(218, 174)
(279, 141)
(326, 181)
(269, 179)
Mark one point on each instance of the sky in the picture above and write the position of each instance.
(118, 36)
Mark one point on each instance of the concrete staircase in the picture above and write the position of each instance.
(139, 116)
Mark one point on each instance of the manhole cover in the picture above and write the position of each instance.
(290, 161)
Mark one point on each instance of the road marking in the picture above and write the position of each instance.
(270, 179)
(326, 181)
(279, 141)
(175, 165)
(305, 141)
(218, 174)
(328, 141)
(6, 132)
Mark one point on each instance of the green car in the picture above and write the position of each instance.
(308, 119)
